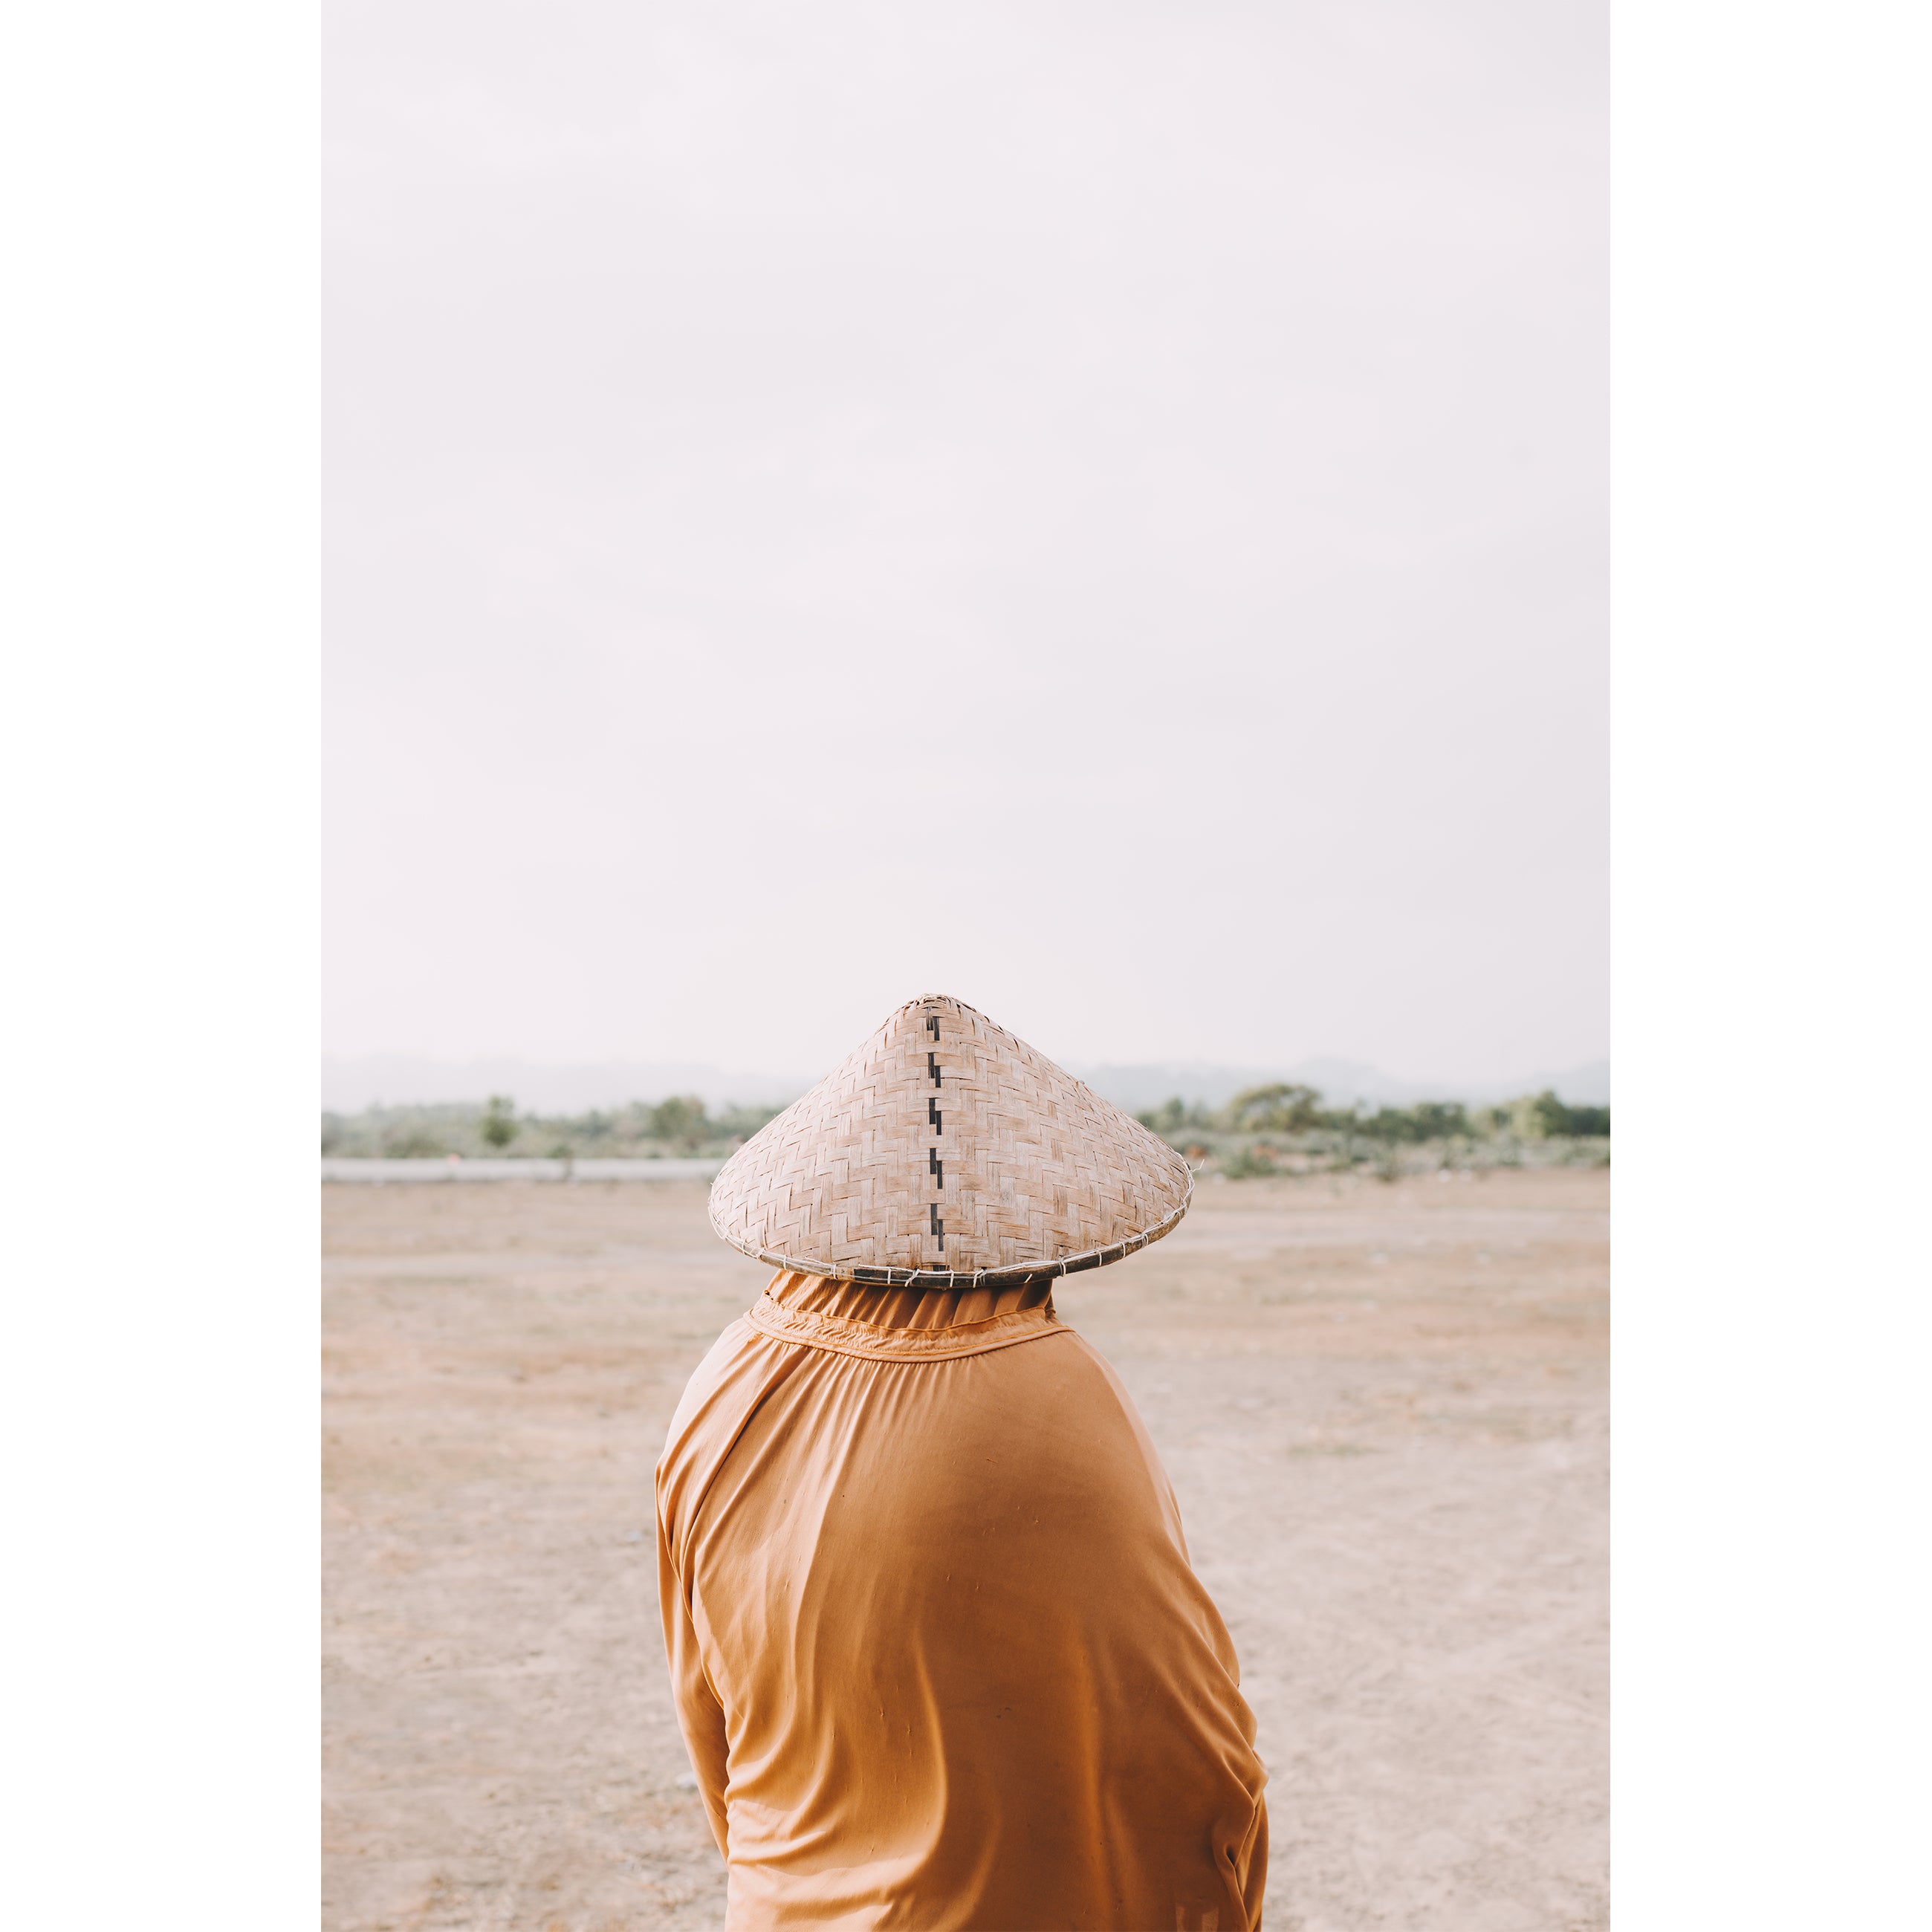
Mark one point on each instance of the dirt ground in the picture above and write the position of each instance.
(1383, 1407)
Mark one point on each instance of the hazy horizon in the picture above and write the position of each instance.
(350, 1085)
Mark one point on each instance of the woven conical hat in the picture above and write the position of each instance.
(946, 1150)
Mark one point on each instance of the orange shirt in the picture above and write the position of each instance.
(939, 1657)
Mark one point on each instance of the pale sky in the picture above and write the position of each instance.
(1096, 509)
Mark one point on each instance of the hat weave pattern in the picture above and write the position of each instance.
(944, 1151)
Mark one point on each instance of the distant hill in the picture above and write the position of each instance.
(350, 1085)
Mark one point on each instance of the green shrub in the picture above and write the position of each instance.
(1280, 1109)
(499, 1125)
(681, 1120)
(1250, 1163)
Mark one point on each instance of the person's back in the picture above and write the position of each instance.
(939, 1656)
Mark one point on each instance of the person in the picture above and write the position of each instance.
(938, 1654)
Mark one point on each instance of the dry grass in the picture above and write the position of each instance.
(1383, 1408)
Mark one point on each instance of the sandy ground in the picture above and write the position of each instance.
(1383, 1408)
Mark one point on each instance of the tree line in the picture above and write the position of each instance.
(1286, 1108)
(683, 1124)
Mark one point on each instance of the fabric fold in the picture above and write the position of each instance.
(845, 1337)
